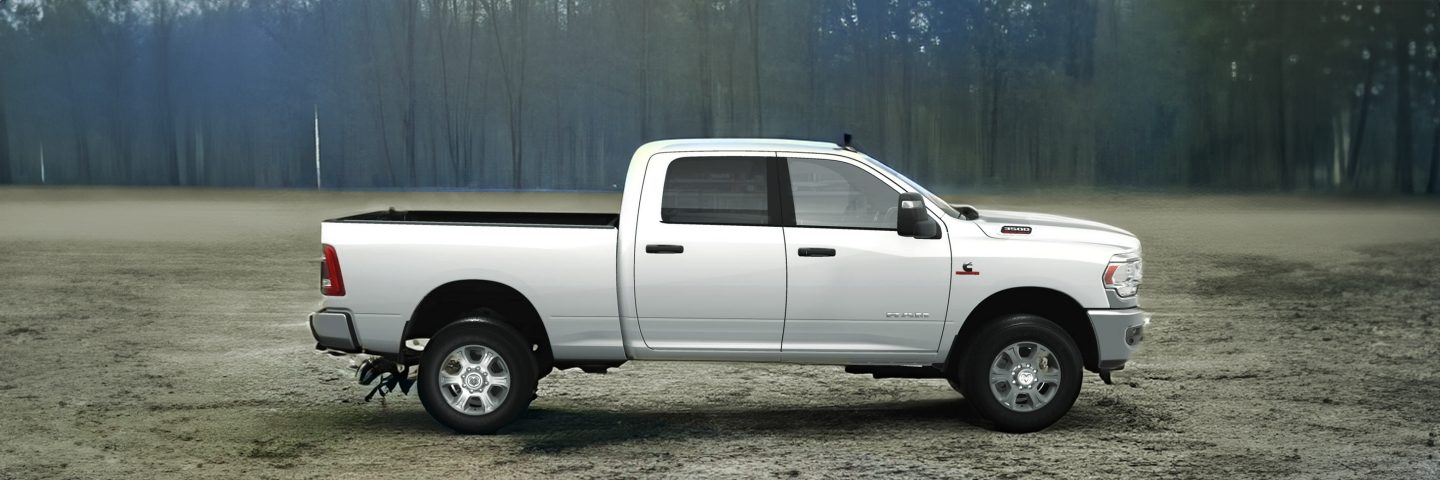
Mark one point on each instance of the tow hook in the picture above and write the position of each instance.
(389, 373)
(1105, 375)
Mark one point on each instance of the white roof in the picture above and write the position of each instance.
(756, 144)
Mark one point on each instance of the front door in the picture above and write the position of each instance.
(855, 286)
(710, 259)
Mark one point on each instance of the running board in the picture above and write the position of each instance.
(895, 371)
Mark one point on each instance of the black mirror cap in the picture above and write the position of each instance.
(966, 212)
(912, 220)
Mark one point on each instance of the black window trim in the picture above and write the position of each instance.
(780, 171)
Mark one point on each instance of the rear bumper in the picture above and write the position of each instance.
(334, 330)
(1118, 334)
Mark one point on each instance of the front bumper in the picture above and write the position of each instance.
(334, 330)
(1118, 334)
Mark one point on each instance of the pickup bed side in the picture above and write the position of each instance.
(563, 264)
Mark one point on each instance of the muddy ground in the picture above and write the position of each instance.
(160, 333)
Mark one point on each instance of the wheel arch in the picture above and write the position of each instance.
(1051, 304)
(448, 303)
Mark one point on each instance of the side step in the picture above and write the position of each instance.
(896, 371)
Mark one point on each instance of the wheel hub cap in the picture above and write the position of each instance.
(1025, 376)
(474, 380)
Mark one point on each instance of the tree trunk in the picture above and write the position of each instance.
(522, 19)
(707, 84)
(384, 132)
(645, 71)
(452, 138)
(907, 96)
(169, 143)
(5, 177)
(468, 143)
(812, 93)
(514, 89)
(992, 138)
(755, 56)
(1404, 133)
(1430, 186)
(82, 142)
(1359, 140)
(409, 125)
(1282, 129)
(4, 138)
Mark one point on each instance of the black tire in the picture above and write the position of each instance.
(505, 342)
(984, 348)
(955, 384)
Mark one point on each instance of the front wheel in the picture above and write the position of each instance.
(476, 376)
(1021, 372)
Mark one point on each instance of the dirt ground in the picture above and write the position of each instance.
(161, 333)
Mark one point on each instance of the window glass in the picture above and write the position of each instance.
(828, 193)
(939, 202)
(717, 191)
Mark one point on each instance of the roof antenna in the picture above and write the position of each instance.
(845, 142)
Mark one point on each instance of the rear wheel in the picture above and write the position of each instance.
(1021, 372)
(476, 376)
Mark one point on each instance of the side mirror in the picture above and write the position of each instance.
(966, 212)
(912, 220)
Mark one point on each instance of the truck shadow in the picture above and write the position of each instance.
(553, 430)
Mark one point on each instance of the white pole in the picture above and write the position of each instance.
(317, 147)
(42, 164)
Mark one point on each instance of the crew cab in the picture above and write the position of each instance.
(737, 250)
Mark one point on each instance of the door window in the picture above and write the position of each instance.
(835, 194)
(717, 191)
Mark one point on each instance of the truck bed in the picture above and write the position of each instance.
(563, 263)
(498, 219)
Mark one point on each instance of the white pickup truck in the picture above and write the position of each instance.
(737, 250)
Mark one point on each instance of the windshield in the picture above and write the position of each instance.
(949, 210)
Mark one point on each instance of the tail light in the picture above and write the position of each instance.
(331, 282)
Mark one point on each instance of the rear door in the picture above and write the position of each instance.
(857, 290)
(710, 265)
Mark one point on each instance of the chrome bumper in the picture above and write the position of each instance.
(334, 330)
(1118, 334)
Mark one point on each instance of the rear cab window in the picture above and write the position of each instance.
(719, 191)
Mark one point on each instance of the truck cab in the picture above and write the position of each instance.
(749, 250)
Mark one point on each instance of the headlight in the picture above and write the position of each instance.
(1123, 274)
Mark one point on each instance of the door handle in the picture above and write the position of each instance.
(817, 252)
(664, 249)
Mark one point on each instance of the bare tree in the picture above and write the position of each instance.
(754, 6)
(6, 41)
(1365, 97)
(1404, 131)
(162, 13)
(514, 86)
(378, 100)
